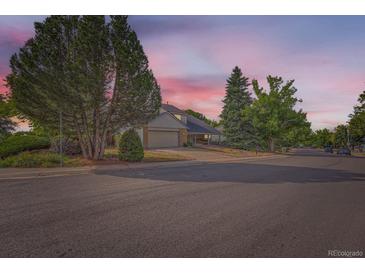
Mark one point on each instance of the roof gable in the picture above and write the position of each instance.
(166, 120)
(194, 125)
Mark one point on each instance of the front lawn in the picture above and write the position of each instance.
(149, 156)
(163, 156)
(46, 158)
(234, 152)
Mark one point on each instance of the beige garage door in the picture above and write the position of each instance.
(158, 139)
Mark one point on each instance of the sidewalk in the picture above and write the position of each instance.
(30, 173)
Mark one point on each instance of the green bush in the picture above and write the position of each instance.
(32, 159)
(130, 147)
(17, 143)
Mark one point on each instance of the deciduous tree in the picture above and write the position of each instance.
(323, 137)
(357, 122)
(273, 114)
(341, 137)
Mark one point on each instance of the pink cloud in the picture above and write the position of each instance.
(187, 93)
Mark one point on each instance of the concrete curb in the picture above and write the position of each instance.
(21, 173)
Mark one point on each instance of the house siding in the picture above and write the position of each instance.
(183, 136)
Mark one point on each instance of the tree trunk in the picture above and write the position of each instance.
(271, 144)
(96, 136)
(81, 141)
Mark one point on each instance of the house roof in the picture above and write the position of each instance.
(193, 124)
(172, 109)
(166, 119)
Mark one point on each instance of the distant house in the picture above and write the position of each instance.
(173, 128)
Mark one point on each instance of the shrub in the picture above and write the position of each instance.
(130, 147)
(188, 144)
(17, 143)
(32, 159)
(70, 145)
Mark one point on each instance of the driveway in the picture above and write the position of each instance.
(298, 206)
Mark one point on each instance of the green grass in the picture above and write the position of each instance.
(234, 152)
(162, 156)
(149, 155)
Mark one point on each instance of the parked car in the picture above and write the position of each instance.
(344, 151)
(328, 149)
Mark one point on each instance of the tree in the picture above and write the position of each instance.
(341, 136)
(130, 147)
(322, 138)
(91, 72)
(357, 122)
(272, 113)
(202, 117)
(299, 135)
(236, 127)
(6, 124)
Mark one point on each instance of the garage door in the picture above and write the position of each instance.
(158, 139)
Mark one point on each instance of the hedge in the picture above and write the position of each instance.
(17, 143)
(33, 159)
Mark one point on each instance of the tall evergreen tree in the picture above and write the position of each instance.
(236, 127)
(92, 70)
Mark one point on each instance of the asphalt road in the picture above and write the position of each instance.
(297, 206)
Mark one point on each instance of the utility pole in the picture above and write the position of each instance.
(61, 143)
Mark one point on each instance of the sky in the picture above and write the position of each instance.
(192, 56)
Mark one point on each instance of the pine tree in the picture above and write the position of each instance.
(91, 69)
(236, 127)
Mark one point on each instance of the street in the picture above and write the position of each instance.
(300, 205)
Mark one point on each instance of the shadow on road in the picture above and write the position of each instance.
(324, 155)
(241, 173)
(319, 153)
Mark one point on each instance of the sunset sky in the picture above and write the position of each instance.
(191, 57)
